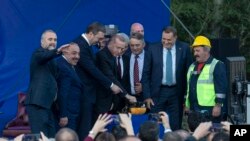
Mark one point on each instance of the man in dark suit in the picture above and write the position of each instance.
(91, 76)
(164, 81)
(70, 87)
(107, 63)
(137, 59)
(43, 87)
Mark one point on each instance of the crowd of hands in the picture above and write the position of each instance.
(103, 120)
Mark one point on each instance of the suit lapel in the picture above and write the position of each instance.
(160, 52)
(72, 70)
(178, 55)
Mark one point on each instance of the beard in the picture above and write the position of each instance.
(51, 47)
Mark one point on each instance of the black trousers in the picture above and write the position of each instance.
(41, 119)
(169, 101)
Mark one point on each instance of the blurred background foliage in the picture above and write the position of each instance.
(214, 19)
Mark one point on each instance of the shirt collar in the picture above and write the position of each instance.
(140, 55)
(85, 37)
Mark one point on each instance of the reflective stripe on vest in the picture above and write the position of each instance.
(205, 86)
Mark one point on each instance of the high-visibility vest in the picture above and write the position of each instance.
(205, 85)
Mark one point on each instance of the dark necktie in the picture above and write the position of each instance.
(169, 68)
(136, 70)
(119, 69)
(73, 68)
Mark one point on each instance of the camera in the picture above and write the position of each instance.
(116, 120)
(216, 127)
(31, 137)
(155, 117)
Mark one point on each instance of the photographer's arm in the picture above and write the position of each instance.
(226, 125)
(165, 121)
(202, 130)
(126, 123)
(99, 126)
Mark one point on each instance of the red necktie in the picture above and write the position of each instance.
(119, 69)
(136, 71)
(199, 68)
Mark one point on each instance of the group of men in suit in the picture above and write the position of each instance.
(105, 82)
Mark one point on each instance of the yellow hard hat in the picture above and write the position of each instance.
(201, 41)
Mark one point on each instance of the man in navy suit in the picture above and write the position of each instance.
(164, 81)
(43, 87)
(90, 75)
(106, 60)
(137, 59)
(70, 87)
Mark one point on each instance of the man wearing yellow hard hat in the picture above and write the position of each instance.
(207, 81)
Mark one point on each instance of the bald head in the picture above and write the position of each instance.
(137, 28)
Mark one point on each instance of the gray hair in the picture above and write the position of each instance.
(46, 31)
(124, 36)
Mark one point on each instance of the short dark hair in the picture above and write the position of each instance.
(137, 36)
(119, 132)
(95, 27)
(170, 29)
(221, 136)
(171, 136)
(149, 131)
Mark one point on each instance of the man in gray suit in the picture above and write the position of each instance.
(43, 87)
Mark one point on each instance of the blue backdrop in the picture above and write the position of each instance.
(23, 21)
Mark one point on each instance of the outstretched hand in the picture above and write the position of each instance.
(100, 124)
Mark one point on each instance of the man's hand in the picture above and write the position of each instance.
(202, 130)
(216, 110)
(59, 50)
(130, 98)
(165, 119)
(126, 123)
(63, 121)
(226, 125)
(186, 110)
(116, 89)
(43, 137)
(149, 102)
(100, 124)
(138, 88)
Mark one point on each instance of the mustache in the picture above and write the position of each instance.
(196, 56)
(53, 45)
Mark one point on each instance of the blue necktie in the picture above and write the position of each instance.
(169, 69)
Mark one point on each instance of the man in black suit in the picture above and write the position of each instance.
(108, 64)
(91, 76)
(137, 59)
(70, 87)
(43, 87)
(164, 81)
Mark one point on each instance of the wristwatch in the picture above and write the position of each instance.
(92, 132)
(219, 104)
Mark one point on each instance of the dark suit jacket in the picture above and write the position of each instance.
(43, 74)
(153, 69)
(88, 72)
(107, 64)
(69, 89)
(146, 56)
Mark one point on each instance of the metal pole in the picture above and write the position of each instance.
(177, 19)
